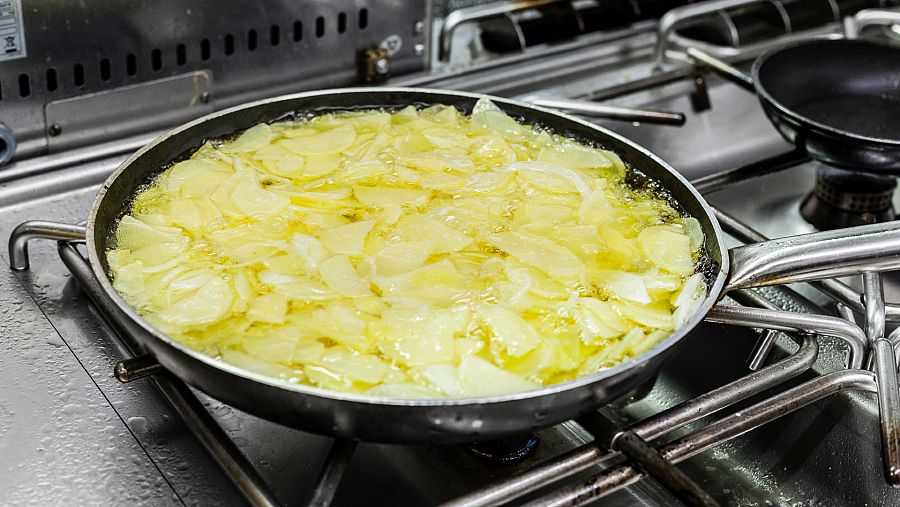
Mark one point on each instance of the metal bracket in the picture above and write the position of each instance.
(849, 332)
(375, 64)
(869, 17)
(700, 96)
(471, 14)
(595, 110)
(33, 229)
(679, 16)
(136, 367)
(725, 429)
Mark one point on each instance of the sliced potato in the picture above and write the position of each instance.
(322, 143)
(347, 239)
(408, 254)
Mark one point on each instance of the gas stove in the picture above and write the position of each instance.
(776, 411)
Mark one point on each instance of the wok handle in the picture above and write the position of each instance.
(869, 17)
(827, 254)
(593, 109)
(723, 69)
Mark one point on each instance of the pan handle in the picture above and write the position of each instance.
(869, 17)
(595, 110)
(721, 68)
(827, 254)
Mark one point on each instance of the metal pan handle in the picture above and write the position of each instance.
(595, 110)
(721, 68)
(869, 17)
(807, 257)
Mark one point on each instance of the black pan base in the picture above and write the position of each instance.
(846, 198)
(837, 99)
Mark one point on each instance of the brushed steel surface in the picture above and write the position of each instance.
(122, 44)
(60, 437)
(179, 396)
(826, 454)
(140, 107)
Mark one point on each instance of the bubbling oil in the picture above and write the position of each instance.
(412, 253)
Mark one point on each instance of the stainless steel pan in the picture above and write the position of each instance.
(357, 416)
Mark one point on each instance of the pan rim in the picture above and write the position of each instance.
(793, 115)
(711, 298)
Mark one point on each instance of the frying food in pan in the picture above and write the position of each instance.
(411, 254)
(384, 418)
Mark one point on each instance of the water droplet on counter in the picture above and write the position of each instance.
(137, 424)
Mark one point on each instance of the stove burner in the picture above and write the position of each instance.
(846, 198)
(505, 451)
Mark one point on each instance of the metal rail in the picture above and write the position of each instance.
(885, 366)
(769, 165)
(590, 455)
(471, 14)
(715, 434)
(679, 16)
(26, 231)
(835, 289)
(336, 464)
(849, 332)
(595, 110)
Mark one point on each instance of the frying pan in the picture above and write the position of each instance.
(365, 417)
(839, 100)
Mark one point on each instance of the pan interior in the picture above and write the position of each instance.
(846, 85)
(118, 192)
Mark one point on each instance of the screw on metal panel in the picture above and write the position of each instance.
(419, 27)
(54, 130)
(382, 66)
(419, 49)
(204, 97)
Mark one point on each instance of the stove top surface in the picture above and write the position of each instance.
(69, 431)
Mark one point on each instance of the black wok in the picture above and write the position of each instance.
(365, 417)
(839, 100)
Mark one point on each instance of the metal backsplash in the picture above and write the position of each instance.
(106, 69)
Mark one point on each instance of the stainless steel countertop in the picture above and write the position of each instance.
(71, 433)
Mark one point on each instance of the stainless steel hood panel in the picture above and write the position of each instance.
(245, 50)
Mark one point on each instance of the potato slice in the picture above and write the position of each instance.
(478, 377)
(541, 253)
(323, 143)
(419, 337)
(443, 239)
(384, 196)
(347, 239)
(508, 329)
(208, 304)
(134, 234)
(250, 140)
(668, 248)
(270, 308)
(195, 177)
(340, 276)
